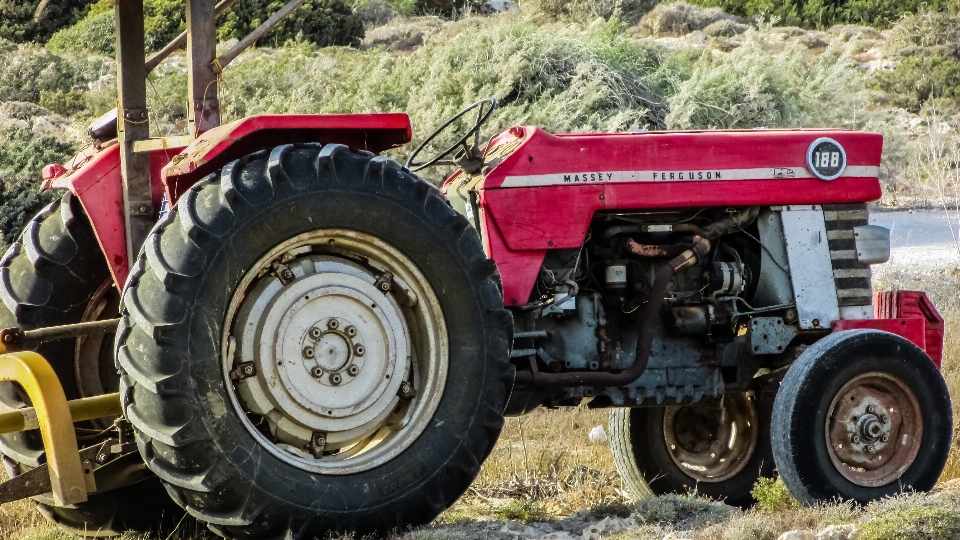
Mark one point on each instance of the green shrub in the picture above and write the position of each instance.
(921, 522)
(322, 22)
(773, 496)
(96, 33)
(682, 512)
(629, 11)
(918, 79)
(754, 88)
(928, 28)
(28, 70)
(823, 13)
(64, 103)
(23, 156)
(17, 22)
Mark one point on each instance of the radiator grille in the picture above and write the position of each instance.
(851, 277)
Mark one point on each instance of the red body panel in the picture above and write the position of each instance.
(215, 148)
(544, 193)
(909, 314)
(94, 175)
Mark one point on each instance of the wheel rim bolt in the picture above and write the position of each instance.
(855, 439)
(317, 371)
(870, 448)
(885, 437)
(351, 331)
(335, 378)
(885, 419)
(315, 333)
(308, 352)
(870, 409)
(248, 370)
(353, 370)
(358, 349)
(333, 324)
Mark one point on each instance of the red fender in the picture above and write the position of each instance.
(93, 175)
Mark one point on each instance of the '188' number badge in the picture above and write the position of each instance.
(826, 159)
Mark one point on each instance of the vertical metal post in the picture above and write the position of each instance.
(132, 124)
(202, 78)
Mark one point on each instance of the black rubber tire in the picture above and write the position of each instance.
(644, 463)
(805, 395)
(173, 312)
(47, 278)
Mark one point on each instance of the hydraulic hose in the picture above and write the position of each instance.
(648, 323)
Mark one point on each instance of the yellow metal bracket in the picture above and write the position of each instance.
(34, 374)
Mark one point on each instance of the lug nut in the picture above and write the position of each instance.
(248, 370)
(315, 333)
(358, 349)
(351, 331)
(885, 419)
(870, 408)
(855, 439)
(308, 352)
(336, 379)
(317, 371)
(885, 437)
(353, 370)
(870, 448)
(333, 324)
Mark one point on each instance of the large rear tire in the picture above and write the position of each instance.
(53, 275)
(256, 344)
(861, 415)
(716, 451)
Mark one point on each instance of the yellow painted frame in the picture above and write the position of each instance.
(34, 374)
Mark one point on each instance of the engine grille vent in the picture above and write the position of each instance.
(852, 277)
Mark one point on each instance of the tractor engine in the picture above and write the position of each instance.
(723, 318)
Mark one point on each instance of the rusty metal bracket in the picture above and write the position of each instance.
(34, 374)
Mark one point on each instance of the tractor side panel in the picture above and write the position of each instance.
(543, 192)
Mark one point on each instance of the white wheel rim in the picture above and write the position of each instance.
(335, 351)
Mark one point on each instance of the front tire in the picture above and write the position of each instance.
(250, 325)
(716, 451)
(861, 415)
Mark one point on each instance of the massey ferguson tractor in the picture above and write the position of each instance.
(274, 328)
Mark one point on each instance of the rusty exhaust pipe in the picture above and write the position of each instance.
(648, 322)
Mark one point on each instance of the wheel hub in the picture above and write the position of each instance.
(333, 351)
(874, 429)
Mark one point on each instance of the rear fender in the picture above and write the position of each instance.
(94, 174)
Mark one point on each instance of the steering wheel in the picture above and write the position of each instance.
(484, 108)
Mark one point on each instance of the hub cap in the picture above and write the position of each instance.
(335, 351)
(874, 428)
(712, 444)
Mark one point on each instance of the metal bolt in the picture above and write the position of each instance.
(353, 370)
(287, 275)
(317, 371)
(406, 390)
(335, 379)
(870, 448)
(102, 458)
(351, 331)
(333, 324)
(885, 437)
(315, 333)
(358, 349)
(317, 443)
(384, 286)
(248, 370)
(855, 439)
(308, 352)
(885, 419)
(870, 409)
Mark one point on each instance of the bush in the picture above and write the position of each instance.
(918, 79)
(681, 18)
(629, 11)
(773, 496)
(23, 156)
(921, 522)
(96, 34)
(824, 13)
(754, 88)
(928, 28)
(28, 70)
(525, 511)
(17, 22)
(322, 22)
(682, 512)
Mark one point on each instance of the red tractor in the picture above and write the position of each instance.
(311, 338)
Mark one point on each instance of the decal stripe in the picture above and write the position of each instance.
(706, 175)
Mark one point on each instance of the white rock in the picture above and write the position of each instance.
(798, 535)
(559, 535)
(597, 435)
(839, 532)
(606, 526)
(519, 530)
(500, 6)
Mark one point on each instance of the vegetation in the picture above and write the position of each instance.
(824, 13)
(772, 495)
(19, 20)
